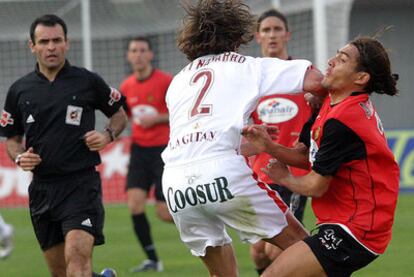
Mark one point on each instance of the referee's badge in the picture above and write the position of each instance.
(73, 115)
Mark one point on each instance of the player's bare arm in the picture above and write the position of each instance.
(147, 121)
(96, 140)
(27, 160)
(312, 184)
(312, 82)
(248, 148)
(260, 138)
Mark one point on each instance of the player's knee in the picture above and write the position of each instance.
(58, 271)
(78, 265)
(135, 207)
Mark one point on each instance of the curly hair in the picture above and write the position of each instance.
(374, 60)
(214, 27)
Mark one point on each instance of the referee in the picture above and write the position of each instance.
(53, 107)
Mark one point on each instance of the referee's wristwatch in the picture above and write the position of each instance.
(18, 157)
(111, 133)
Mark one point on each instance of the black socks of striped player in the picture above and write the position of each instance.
(142, 231)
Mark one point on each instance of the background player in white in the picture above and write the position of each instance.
(206, 183)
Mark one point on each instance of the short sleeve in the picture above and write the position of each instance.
(108, 99)
(304, 136)
(122, 89)
(10, 121)
(280, 76)
(339, 145)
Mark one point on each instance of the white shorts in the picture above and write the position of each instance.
(206, 195)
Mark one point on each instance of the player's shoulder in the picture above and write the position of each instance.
(81, 71)
(162, 74)
(80, 74)
(23, 82)
(130, 79)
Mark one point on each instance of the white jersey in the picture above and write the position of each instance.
(211, 99)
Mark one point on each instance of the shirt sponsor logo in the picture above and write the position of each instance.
(216, 191)
(277, 110)
(140, 111)
(115, 96)
(73, 115)
(194, 137)
(6, 119)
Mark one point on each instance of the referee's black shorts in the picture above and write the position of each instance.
(62, 204)
(146, 168)
(338, 252)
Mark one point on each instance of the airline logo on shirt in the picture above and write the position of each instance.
(203, 193)
(142, 111)
(277, 110)
(6, 119)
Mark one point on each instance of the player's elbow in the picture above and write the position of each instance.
(318, 186)
(317, 192)
(313, 82)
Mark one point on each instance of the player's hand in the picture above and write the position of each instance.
(29, 160)
(315, 102)
(276, 171)
(147, 121)
(96, 141)
(260, 136)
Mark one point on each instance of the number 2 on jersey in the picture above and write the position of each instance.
(198, 108)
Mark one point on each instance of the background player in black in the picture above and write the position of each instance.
(54, 108)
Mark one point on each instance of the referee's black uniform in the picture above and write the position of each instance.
(65, 193)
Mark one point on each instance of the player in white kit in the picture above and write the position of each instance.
(206, 183)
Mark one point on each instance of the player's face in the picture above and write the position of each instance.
(139, 55)
(50, 46)
(273, 37)
(341, 74)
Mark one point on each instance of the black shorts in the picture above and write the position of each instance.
(58, 206)
(145, 169)
(338, 252)
(286, 195)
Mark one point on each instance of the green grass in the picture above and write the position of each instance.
(121, 250)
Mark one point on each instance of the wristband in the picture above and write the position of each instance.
(111, 133)
(17, 160)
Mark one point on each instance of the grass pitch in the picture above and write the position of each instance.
(122, 251)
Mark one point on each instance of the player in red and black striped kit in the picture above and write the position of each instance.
(354, 179)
